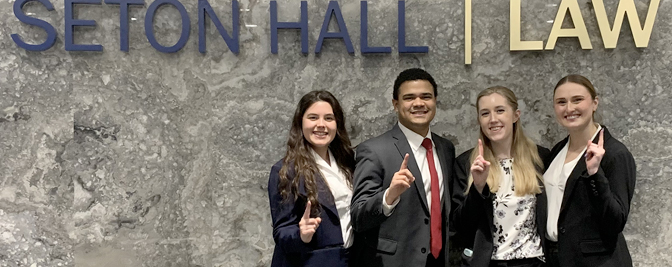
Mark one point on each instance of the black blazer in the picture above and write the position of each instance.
(402, 239)
(595, 208)
(326, 247)
(473, 218)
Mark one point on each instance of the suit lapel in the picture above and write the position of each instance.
(326, 197)
(402, 146)
(579, 169)
(571, 182)
(441, 152)
(324, 194)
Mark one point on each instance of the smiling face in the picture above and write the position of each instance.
(319, 126)
(574, 106)
(496, 118)
(416, 105)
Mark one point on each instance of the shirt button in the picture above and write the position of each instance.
(423, 250)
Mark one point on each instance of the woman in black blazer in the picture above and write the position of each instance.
(499, 186)
(310, 189)
(590, 181)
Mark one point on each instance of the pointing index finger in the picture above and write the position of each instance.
(480, 147)
(306, 213)
(600, 142)
(404, 164)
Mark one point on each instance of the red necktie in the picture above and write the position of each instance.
(435, 214)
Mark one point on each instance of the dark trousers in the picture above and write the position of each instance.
(529, 262)
(438, 262)
(552, 254)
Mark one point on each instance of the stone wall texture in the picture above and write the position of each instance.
(144, 158)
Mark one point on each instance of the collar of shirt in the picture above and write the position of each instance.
(321, 163)
(414, 139)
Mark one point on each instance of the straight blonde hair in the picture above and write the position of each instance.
(526, 177)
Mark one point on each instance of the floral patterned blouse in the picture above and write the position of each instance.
(514, 232)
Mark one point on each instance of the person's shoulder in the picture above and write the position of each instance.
(559, 145)
(463, 159)
(439, 138)
(443, 141)
(378, 141)
(615, 148)
(278, 165)
(465, 155)
(543, 151)
(275, 169)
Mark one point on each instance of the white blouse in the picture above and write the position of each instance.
(340, 190)
(555, 179)
(514, 235)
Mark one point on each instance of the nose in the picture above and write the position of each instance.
(320, 123)
(492, 118)
(417, 102)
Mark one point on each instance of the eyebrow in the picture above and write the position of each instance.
(485, 109)
(416, 95)
(570, 96)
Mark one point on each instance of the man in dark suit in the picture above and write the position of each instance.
(401, 202)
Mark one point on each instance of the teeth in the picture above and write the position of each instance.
(571, 117)
(495, 128)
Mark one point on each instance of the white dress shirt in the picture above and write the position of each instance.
(340, 190)
(555, 179)
(420, 154)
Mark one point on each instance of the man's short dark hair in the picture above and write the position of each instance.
(413, 74)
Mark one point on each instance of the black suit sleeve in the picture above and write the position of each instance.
(285, 218)
(612, 187)
(469, 205)
(366, 208)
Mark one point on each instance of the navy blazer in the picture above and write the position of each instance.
(473, 218)
(403, 238)
(326, 247)
(595, 208)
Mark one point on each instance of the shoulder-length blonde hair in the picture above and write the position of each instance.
(526, 161)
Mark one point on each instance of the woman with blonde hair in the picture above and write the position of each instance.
(499, 187)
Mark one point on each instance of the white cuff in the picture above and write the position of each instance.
(388, 209)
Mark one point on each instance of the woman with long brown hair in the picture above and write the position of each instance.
(498, 186)
(311, 187)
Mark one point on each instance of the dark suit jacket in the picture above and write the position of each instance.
(595, 208)
(473, 218)
(326, 247)
(402, 239)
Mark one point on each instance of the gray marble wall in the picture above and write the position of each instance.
(142, 158)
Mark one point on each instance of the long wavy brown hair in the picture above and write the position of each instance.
(299, 159)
